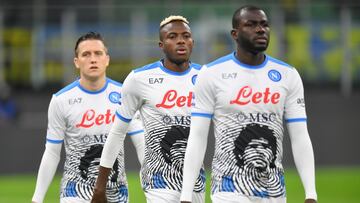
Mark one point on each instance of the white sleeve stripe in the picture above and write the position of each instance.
(206, 115)
(54, 141)
(291, 120)
(135, 132)
(126, 120)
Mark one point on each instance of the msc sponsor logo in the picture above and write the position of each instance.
(256, 117)
(115, 97)
(247, 95)
(274, 75)
(101, 138)
(156, 80)
(176, 120)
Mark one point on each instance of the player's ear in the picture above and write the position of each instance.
(108, 59)
(76, 62)
(234, 34)
(161, 44)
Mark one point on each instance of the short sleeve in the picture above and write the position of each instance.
(56, 122)
(130, 101)
(204, 94)
(295, 102)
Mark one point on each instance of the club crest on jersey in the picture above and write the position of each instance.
(115, 97)
(193, 79)
(274, 75)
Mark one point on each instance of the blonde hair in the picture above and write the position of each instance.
(173, 18)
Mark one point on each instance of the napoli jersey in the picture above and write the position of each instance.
(164, 98)
(82, 120)
(248, 105)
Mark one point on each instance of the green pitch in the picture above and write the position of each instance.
(333, 186)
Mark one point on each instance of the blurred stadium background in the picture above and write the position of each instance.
(321, 39)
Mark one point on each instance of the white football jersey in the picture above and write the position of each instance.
(164, 98)
(248, 105)
(82, 120)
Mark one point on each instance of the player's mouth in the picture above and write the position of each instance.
(93, 68)
(181, 51)
(261, 40)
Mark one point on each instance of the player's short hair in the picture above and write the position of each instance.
(89, 36)
(236, 16)
(172, 18)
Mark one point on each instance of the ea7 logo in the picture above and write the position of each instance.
(155, 80)
(229, 75)
(75, 101)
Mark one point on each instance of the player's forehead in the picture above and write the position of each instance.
(91, 44)
(253, 16)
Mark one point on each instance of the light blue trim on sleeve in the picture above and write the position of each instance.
(126, 120)
(206, 115)
(135, 132)
(292, 120)
(54, 141)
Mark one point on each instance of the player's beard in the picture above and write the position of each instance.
(247, 44)
(177, 61)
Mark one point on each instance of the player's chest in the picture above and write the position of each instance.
(239, 90)
(91, 113)
(172, 94)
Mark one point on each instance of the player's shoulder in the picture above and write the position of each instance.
(278, 62)
(195, 66)
(221, 60)
(68, 88)
(113, 82)
(148, 67)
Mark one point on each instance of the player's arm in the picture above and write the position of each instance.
(299, 136)
(51, 157)
(116, 136)
(110, 152)
(303, 157)
(201, 116)
(136, 133)
(47, 170)
(194, 155)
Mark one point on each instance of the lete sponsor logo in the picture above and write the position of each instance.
(246, 95)
(91, 118)
(172, 99)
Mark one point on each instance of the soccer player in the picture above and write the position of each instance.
(163, 92)
(248, 95)
(80, 116)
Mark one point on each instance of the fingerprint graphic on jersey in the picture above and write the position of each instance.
(173, 142)
(88, 159)
(166, 141)
(255, 154)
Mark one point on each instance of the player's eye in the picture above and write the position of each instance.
(85, 54)
(99, 53)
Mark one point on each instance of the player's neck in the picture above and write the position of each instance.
(92, 84)
(176, 67)
(249, 58)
